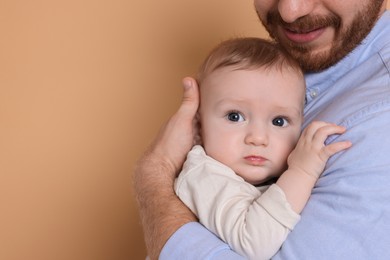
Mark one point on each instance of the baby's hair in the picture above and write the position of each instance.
(247, 53)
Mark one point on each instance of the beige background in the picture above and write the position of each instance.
(84, 86)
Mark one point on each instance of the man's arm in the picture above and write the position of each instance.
(162, 213)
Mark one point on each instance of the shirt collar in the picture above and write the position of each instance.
(375, 40)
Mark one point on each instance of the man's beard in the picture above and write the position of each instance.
(345, 39)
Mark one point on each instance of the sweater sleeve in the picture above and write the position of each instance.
(254, 224)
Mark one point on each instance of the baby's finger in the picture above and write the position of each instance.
(312, 128)
(325, 131)
(334, 148)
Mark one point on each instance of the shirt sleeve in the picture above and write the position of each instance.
(193, 242)
(253, 224)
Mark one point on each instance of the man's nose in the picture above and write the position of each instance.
(291, 10)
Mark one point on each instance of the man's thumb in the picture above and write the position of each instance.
(190, 100)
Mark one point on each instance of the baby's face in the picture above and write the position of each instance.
(251, 119)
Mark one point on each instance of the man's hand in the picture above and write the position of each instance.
(177, 136)
(162, 213)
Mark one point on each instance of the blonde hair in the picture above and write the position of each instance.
(247, 53)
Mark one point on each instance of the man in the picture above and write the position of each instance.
(344, 47)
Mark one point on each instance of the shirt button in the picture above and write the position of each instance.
(313, 93)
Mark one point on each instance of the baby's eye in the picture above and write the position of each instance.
(280, 121)
(235, 117)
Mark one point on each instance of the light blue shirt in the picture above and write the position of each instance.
(348, 214)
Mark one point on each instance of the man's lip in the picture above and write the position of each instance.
(303, 37)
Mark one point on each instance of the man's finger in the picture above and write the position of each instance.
(190, 101)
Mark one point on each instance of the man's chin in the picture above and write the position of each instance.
(310, 58)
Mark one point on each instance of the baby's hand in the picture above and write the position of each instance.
(311, 154)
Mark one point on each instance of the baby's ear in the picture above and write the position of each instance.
(197, 128)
